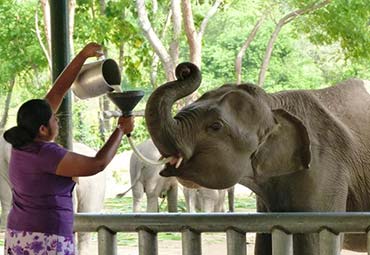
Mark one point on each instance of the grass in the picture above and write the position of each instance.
(124, 205)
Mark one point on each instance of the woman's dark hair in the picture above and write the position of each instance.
(31, 115)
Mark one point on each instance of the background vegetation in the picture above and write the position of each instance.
(312, 50)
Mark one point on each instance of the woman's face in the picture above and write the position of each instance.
(53, 127)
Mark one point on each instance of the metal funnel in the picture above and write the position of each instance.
(126, 101)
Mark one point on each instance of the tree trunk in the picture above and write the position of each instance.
(155, 61)
(241, 53)
(71, 23)
(4, 117)
(104, 101)
(176, 21)
(46, 14)
(121, 55)
(154, 41)
(194, 37)
(283, 21)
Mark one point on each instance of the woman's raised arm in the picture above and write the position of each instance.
(69, 74)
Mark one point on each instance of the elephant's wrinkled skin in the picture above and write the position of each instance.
(299, 151)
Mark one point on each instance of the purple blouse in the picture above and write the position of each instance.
(42, 200)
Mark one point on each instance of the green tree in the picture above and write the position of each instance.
(343, 22)
(22, 59)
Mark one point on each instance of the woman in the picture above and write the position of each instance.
(41, 171)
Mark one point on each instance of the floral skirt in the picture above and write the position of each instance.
(34, 243)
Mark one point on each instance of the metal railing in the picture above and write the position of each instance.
(282, 226)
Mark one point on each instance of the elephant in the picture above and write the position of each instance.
(5, 191)
(208, 200)
(145, 178)
(84, 200)
(298, 150)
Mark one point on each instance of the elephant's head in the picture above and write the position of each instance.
(227, 134)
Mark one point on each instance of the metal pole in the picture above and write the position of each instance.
(236, 242)
(368, 242)
(148, 242)
(107, 242)
(60, 58)
(329, 243)
(282, 242)
(191, 242)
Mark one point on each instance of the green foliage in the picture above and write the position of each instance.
(18, 49)
(295, 62)
(342, 21)
(84, 131)
(299, 59)
(116, 27)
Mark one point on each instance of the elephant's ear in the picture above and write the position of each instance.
(284, 150)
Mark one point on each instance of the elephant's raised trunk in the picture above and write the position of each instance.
(163, 128)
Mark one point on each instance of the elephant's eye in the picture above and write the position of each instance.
(216, 126)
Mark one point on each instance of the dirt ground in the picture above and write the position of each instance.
(208, 248)
(212, 244)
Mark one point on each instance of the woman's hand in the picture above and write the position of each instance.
(126, 124)
(92, 50)
(66, 78)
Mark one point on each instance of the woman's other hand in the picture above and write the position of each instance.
(126, 124)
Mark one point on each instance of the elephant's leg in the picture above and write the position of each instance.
(190, 199)
(84, 242)
(152, 202)
(307, 244)
(220, 203)
(355, 242)
(172, 198)
(231, 198)
(137, 195)
(302, 244)
(6, 200)
(207, 205)
(262, 244)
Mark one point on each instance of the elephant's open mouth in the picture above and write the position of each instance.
(175, 160)
(172, 166)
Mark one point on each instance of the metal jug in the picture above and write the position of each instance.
(97, 78)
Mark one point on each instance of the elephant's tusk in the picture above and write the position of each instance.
(143, 158)
(178, 163)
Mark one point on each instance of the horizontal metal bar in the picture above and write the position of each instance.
(220, 222)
